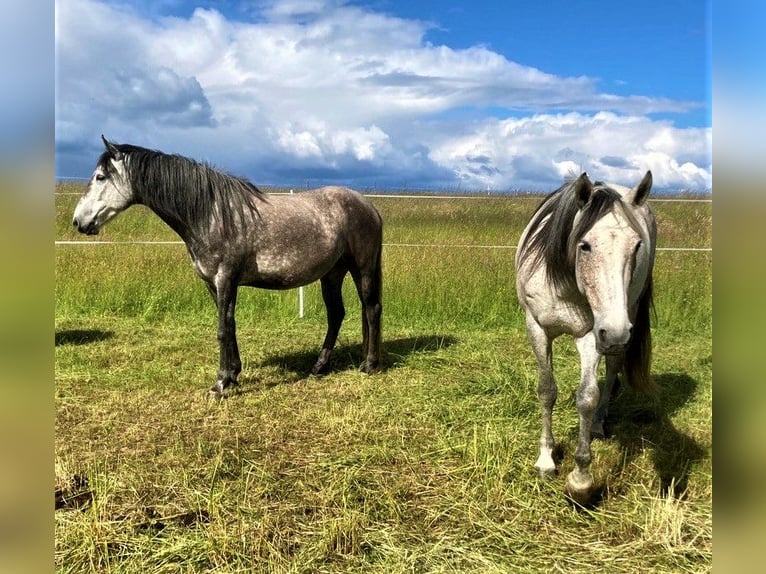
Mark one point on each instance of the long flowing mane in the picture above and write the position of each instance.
(552, 237)
(186, 193)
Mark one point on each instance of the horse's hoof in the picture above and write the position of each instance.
(219, 390)
(579, 488)
(319, 370)
(579, 497)
(368, 368)
(584, 499)
(546, 473)
(597, 432)
(545, 465)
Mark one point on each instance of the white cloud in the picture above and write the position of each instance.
(545, 148)
(291, 8)
(340, 91)
(361, 144)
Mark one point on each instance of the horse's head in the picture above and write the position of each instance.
(612, 251)
(109, 192)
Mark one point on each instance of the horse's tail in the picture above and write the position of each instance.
(638, 355)
(379, 269)
(378, 287)
(379, 263)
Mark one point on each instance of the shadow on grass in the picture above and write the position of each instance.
(81, 336)
(638, 421)
(395, 353)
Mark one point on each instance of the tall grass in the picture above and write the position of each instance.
(425, 278)
(424, 467)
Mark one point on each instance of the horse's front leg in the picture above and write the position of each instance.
(580, 480)
(225, 294)
(547, 392)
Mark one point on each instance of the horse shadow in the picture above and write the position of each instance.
(346, 357)
(81, 336)
(636, 420)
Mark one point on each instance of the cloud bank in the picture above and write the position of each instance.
(320, 91)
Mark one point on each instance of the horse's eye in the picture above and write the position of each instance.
(100, 177)
(585, 247)
(637, 247)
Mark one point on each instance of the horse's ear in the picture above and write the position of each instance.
(641, 191)
(583, 189)
(112, 149)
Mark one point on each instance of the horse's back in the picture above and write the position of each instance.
(352, 201)
(362, 223)
(341, 204)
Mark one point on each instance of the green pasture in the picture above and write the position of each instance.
(423, 467)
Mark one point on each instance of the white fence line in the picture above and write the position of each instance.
(513, 196)
(418, 245)
(301, 312)
(493, 196)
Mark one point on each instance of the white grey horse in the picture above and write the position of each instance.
(236, 235)
(584, 268)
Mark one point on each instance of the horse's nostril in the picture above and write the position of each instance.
(74, 222)
(602, 335)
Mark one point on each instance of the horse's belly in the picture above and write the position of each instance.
(286, 270)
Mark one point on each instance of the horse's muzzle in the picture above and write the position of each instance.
(612, 340)
(90, 229)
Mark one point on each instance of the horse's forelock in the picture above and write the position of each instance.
(104, 163)
(603, 200)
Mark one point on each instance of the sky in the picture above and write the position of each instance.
(393, 94)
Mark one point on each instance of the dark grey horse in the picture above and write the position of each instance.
(236, 235)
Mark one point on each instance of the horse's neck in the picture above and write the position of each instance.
(182, 228)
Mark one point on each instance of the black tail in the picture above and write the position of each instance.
(638, 355)
(379, 289)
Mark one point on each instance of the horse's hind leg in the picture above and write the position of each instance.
(612, 382)
(332, 294)
(369, 287)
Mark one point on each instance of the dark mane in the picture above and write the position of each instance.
(185, 193)
(552, 237)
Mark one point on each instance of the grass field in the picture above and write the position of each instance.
(423, 467)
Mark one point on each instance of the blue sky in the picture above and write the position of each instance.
(456, 95)
(657, 48)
